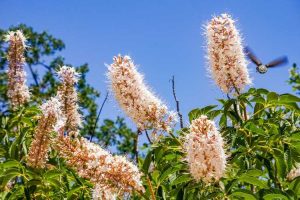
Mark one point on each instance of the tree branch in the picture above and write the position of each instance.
(98, 116)
(44, 65)
(177, 103)
(34, 76)
(148, 137)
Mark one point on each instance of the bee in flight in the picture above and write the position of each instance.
(263, 68)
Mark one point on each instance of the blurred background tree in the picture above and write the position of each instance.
(294, 79)
(42, 63)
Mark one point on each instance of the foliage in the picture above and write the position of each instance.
(18, 180)
(112, 131)
(260, 127)
(263, 148)
(295, 78)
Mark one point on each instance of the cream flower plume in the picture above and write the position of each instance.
(204, 150)
(18, 92)
(228, 66)
(96, 164)
(135, 98)
(69, 99)
(50, 120)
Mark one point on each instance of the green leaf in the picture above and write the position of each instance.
(247, 195)
(280, 163)
(272, 97)
(9, 176)
(155, 174)
(275, 197)
(34, 182)
(147, 162)
(254, 181)
(290, 105)
(223, 121)
(262, 91)
(171, 156)
(195, 113)
(170, 171)
(258, 108)
(182, 179)
(26, 121)
(10, 164)
(74, 192)
(288, 98)
(255, 129)
(258, 100)
(54, 182)
(254, 172)
(52, 173)
(295, 137)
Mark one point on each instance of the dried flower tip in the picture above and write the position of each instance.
(18, 92)
(40, 146)
(135, 98)
(294, 173)
(204, 148)
(228, 66)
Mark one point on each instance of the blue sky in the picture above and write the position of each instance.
(164, 37)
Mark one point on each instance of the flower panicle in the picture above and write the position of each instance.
(68, 97)
(205, 154)
(17, 92)
(114, 173)
(228, 66)
(50, 121)
(135, 98)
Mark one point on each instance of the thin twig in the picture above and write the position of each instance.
(44, 65)
(228, 97)
(148, 137)
(136, 143)
(177, 102)
(98, 116)
(34, 76)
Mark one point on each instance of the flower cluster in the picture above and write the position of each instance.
(50, 120)
(294, 173)
(204, 148)
(102, 192)
(18, 92)
(92, 162)
(135, 98)
(68, 97)
(228, 65)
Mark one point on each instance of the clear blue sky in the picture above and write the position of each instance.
(164, 37)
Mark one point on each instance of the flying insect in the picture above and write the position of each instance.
(263, 68)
